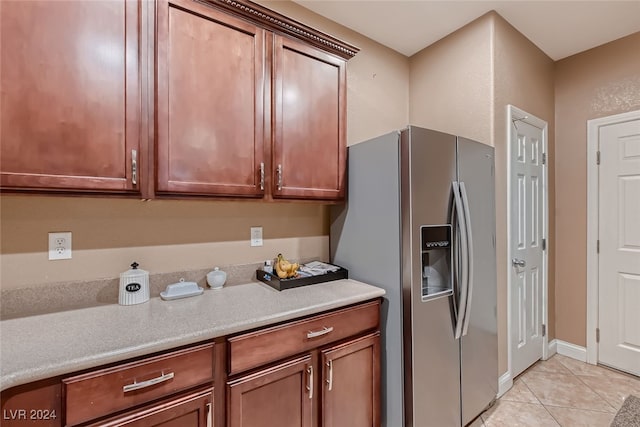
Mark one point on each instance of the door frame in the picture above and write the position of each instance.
(515, 113)
(593, 205)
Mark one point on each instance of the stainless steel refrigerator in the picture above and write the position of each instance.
(419, 221)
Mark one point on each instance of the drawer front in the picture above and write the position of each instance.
(99, 393)
(268, 345)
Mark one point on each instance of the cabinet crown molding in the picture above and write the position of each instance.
(279, 23)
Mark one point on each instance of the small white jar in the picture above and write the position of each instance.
(216, 278)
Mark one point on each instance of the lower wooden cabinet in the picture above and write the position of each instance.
(190, 410)
(351, 383)
(103, 392)
(34, 404)
(278, 396)
(334, 384)
(322, 370)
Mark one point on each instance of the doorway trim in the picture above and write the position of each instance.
(593, 130)
(516, 114)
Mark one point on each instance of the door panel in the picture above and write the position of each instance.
(192, 410)
(479, 347)
(431, 352)
(429, 165)
(434, 354)
(70, 94)
(209, 101)
(351, 383)
(526, 230)
(278, 396)
(308, 122)
(619, 234)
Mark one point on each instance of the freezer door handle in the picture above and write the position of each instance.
(463, 248)
(467, 217)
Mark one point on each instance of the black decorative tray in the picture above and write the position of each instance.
(281, 284)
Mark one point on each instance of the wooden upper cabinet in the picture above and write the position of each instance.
(309, 112)
(210, 102)
(70, 85)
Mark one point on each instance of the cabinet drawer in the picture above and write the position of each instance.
(267, 345)
(109, 390)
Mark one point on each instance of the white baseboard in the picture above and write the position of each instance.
(505, 382)
(570, 350)
(553, 347)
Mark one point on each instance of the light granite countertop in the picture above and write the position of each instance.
(43, 346)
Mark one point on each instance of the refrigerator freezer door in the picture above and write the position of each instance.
(431, 363)
(479, 348)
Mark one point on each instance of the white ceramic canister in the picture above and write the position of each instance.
(134, 286)
(216, 278)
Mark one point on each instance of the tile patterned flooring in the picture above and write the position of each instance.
(562, 392)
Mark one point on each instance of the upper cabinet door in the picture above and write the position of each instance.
(210, 102)
(70, 85)
(308, 121)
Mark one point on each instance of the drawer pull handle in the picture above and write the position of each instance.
(310, 386)
(323, 331)
(153, 381)
(209, 415)
(330, 380)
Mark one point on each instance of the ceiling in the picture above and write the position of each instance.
(560, 28)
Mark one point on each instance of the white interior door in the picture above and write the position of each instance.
(526, 232)
(619, 235)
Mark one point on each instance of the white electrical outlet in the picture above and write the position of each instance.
(59, 246)
(256, 236)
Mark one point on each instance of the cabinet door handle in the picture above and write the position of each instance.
(134, 167)
(330, 380)
(209, 415)
(261, 176)
(323, 331)
(310, 386)
(144, 384)
(279, 177)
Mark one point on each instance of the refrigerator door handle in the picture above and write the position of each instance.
(455, 264)
(467, 216)
(464, 276)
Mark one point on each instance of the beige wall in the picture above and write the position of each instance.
(462, 85)
(109, 233)
(377, 77)
(451, 83)
(524, 78)
(599, 82)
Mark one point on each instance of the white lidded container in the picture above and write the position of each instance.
(134, 286)
(216, 278)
